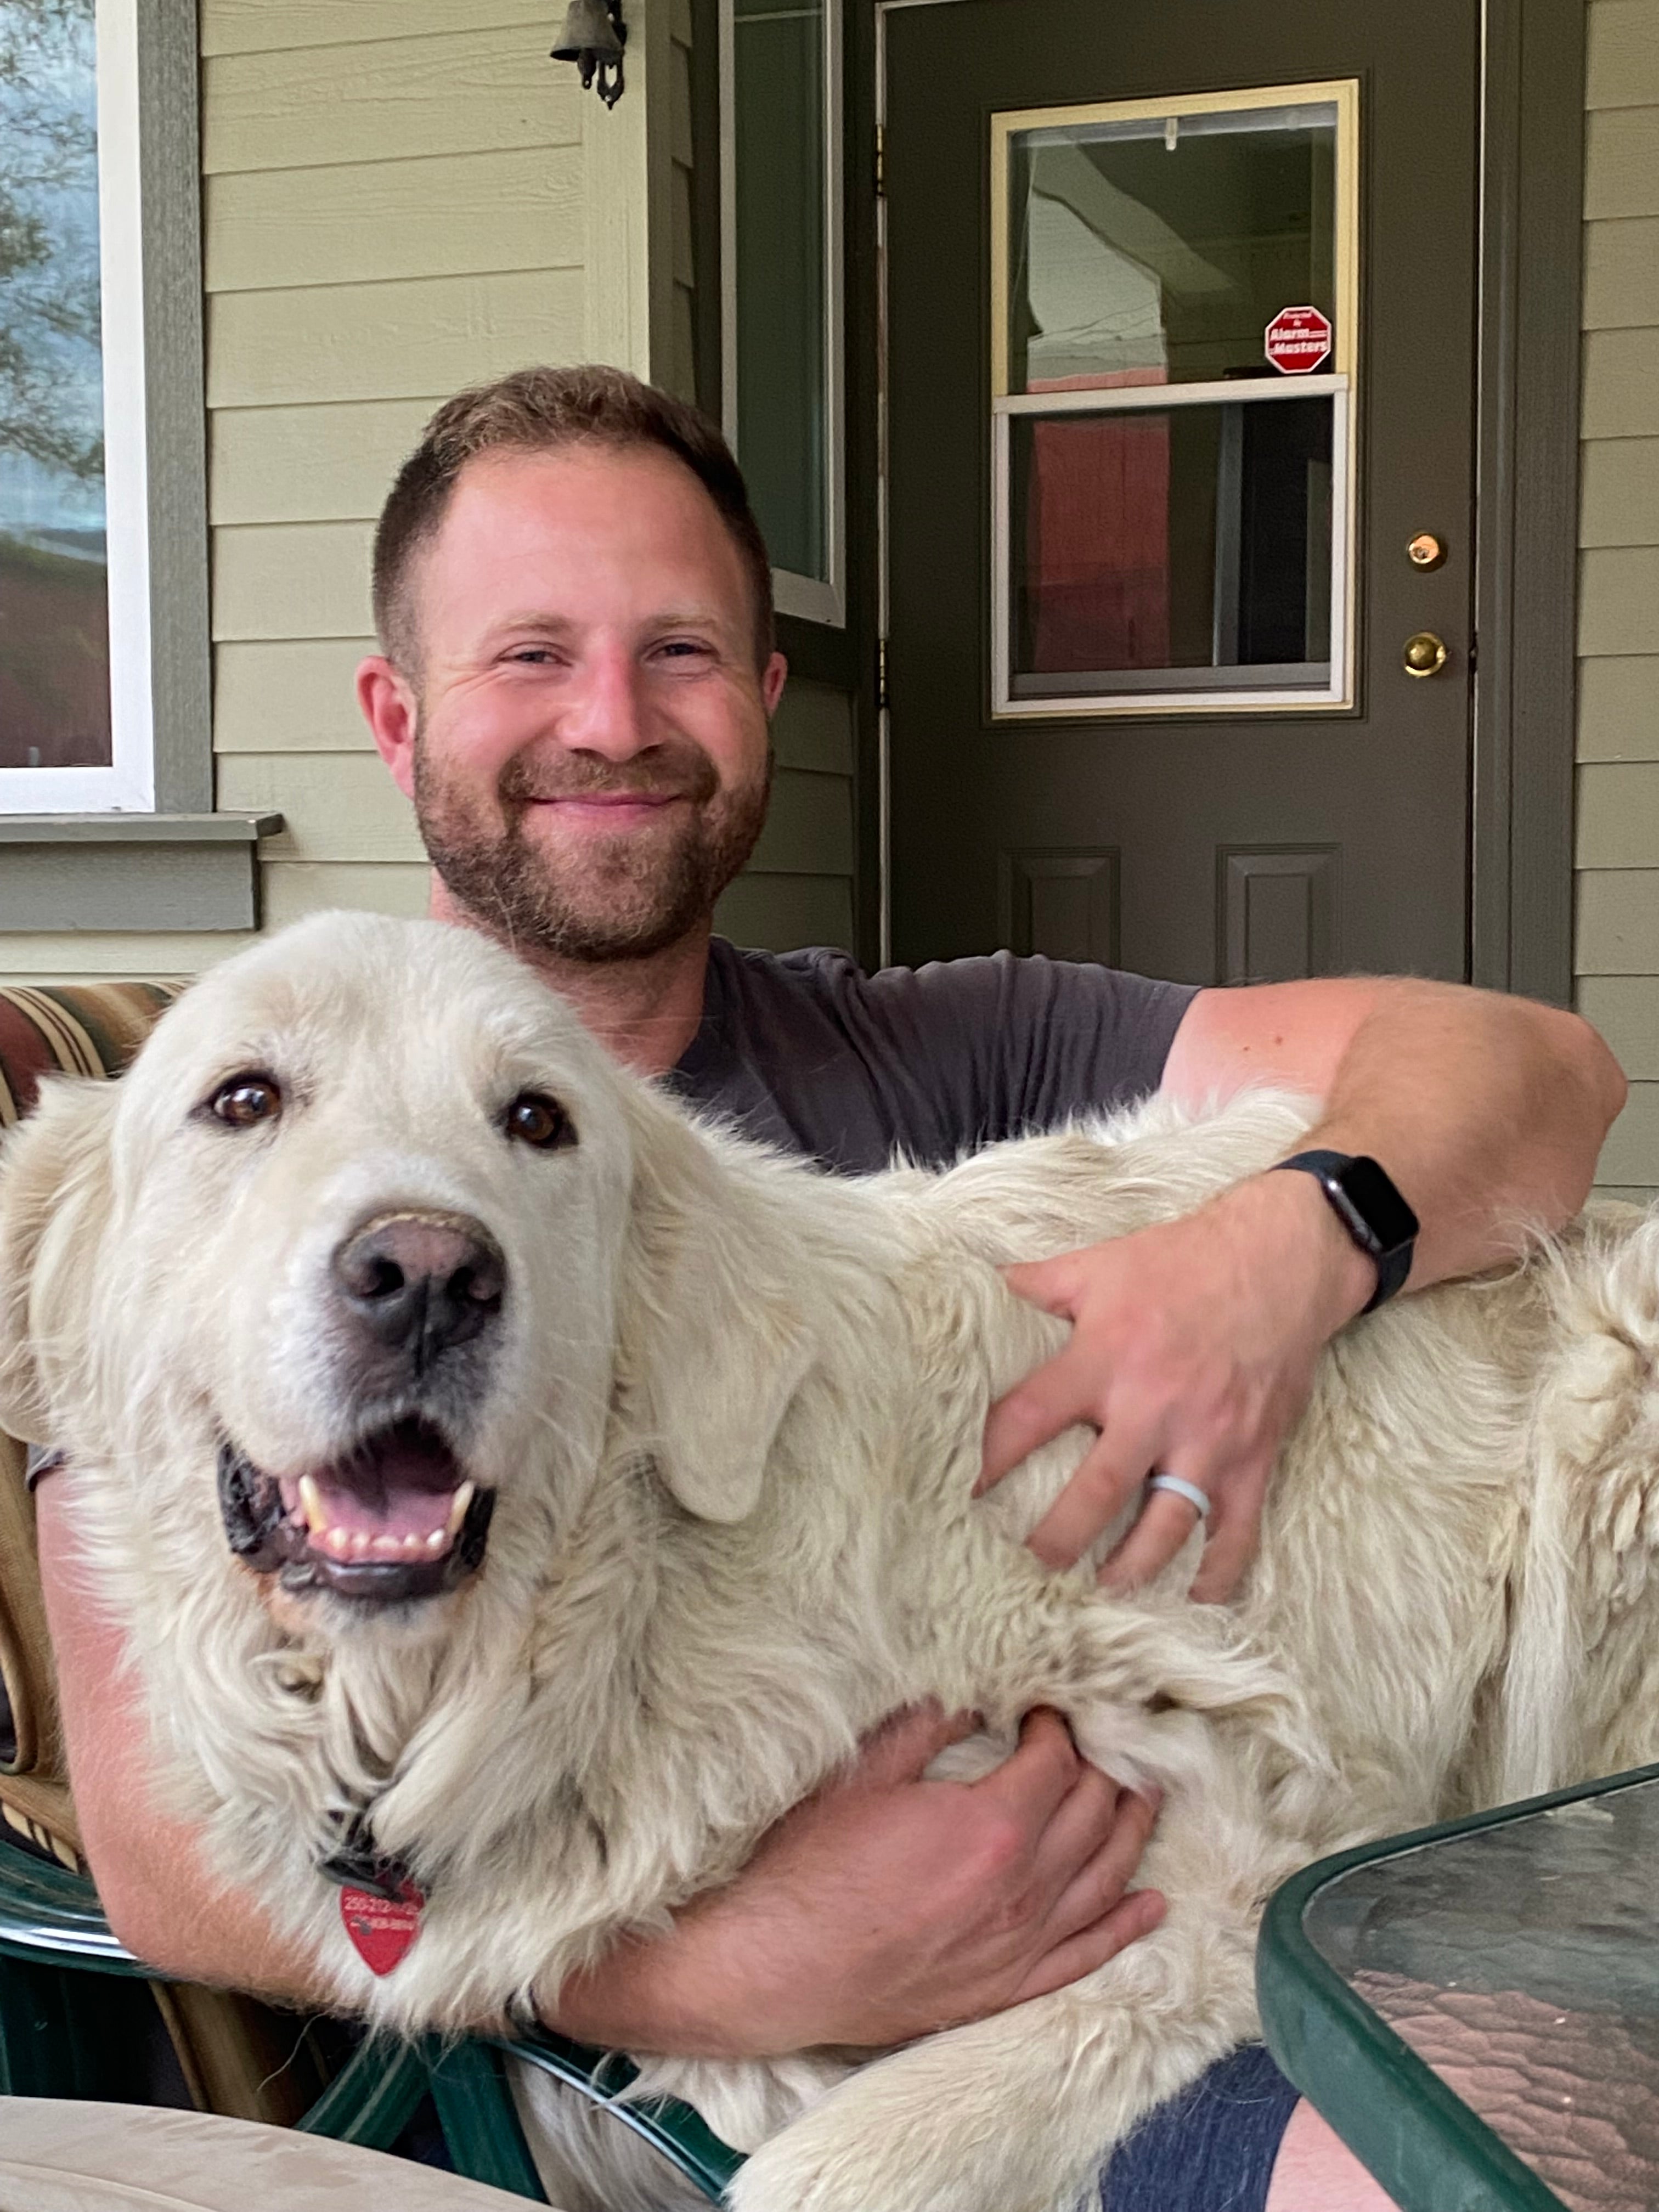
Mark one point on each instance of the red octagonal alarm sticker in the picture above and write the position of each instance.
(1297, 341)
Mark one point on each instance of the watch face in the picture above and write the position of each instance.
(1375, 1199)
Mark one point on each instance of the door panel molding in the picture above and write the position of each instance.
(1061, 901)
(1277, 912)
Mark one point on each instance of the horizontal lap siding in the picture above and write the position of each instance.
(393, 207)
(798, 889)
(1617, 934)
(401, 196)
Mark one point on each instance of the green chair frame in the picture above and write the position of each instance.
(52, 2043)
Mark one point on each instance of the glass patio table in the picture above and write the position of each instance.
(1475, 2008)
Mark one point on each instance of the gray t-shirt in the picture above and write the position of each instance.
(806, 1051)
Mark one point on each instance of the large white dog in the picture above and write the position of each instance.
(496, 1472)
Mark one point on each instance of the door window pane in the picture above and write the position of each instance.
(54, 628)
(1168, 549)
(1157, 249)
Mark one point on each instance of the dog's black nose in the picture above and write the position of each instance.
(421, 1282)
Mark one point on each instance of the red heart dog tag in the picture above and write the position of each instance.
(381, 1929)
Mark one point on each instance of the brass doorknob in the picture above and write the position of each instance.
(1424, 654)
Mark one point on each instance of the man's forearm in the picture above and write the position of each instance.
(163, 1899)
(1487, 1111)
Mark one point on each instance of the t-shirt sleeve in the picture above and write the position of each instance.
(1011, 1045)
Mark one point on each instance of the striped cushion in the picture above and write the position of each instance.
(70, 1029)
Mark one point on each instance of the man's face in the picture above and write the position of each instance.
(591, 756)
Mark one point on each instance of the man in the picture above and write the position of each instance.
(577, 679)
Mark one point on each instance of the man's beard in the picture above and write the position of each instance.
(624, 897)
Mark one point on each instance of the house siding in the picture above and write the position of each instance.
(400, 197)
(387, 215)
(1616, 942)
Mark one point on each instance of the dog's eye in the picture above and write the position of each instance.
(245, 1100)
(535, 1118)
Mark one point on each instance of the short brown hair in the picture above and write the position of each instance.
(539, 410)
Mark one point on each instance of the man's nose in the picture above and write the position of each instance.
(606, 710)
(419, 1283)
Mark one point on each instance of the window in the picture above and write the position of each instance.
(75, 715)
(780, 176)
(1174, 289)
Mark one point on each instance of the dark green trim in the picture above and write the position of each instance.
(1423, 2143)
(115, 873)
(668, 2126)
(372, 2098)
(1526, 552)
(52, 1917)
(863, 461)
(175, 408)
(706, 202)
(481, 2129)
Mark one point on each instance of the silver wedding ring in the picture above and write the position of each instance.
(1190, 1490)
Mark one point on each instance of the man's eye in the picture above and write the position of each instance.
(245, 1100)
(535, 1118)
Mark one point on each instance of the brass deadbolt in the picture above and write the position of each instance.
(1425, 551)
(1424, 654)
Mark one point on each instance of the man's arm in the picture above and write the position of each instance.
(1193, 1343)
(884, 1907)
(162, 1900)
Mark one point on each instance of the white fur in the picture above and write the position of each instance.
(733, 1426)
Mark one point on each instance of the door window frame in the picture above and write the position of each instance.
(1339, 384)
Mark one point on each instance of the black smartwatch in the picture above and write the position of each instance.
(1364, 1200)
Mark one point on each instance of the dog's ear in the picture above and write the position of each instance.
(54, 1191)
(715, 1340)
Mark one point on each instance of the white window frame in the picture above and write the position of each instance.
(1144, 398)
(811, 599)
(128, 784)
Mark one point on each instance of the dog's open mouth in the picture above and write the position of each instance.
(396, 1518)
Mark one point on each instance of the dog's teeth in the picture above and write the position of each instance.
(338, 1540)
(458, 1505)
(439, 1541)
(311, 1502)
(387, 1548)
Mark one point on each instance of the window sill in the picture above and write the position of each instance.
(115, 873)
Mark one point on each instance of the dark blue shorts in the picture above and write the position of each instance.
(1211, 2147)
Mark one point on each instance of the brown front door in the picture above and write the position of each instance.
(1180, 362)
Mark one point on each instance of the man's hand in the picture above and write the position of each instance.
(886, 1906)
(1192, 1351)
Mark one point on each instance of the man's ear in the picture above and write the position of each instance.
(54, 1193)
(388, 706)
(715, 1340)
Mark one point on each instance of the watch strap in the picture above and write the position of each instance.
(1366, 1201)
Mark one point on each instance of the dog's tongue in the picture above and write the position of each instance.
(401, 1497)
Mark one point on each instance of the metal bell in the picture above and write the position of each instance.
(592, 36)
